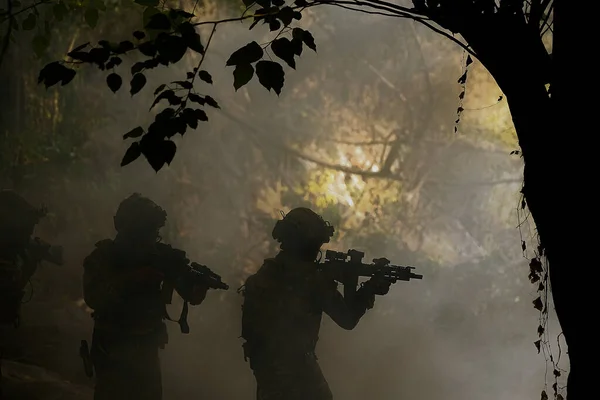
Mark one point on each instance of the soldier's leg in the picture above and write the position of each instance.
(316, 384)
(299, 380)
(146, 375)
(128, 374)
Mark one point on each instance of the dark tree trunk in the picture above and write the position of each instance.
(513, 53)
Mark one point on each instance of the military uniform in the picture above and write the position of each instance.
(129, 326)
(282, 311)
(17, 266)
(19, 254)
(126, 291)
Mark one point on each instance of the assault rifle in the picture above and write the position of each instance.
(347, 268)
(40, 250)
(177, 269)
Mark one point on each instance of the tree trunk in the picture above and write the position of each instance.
(521, 68)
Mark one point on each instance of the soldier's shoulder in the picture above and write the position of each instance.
(102, 250)
(265, 274)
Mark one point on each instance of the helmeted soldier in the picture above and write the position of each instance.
(283, 306)
(124, 287)
(20, 254)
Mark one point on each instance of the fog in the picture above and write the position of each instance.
(465, 331)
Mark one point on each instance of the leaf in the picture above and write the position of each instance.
(191, 38)
(556, 373)
(264, 3)
(540, 330)
(137, 83)
(169, 150)
(189, 116)
(523, 245)
(134, 133)
(537, 304)
(114, 61)
(137, 67)
(147, 3)
(537, 344)
(159, 21)
(242, 74)
(248, 3)
(469, 60)
(463, 79)
(535, 265)
(29, 22)
(205, 76)
(114, 82)
(80, 56)
(286, 15)
(297, 15)
(91, 17)
(148, 49)
(172, 48)
(248, 54)
(133, 153)
(301, 3)
(283, 49)
(274, 25)
(270, 75)
(148, 13)
(151, 149)
(196, 99)
(159, 89)
(544, 395)
(211, 102)
(201, 115)
(167, 94)
(139, 35)
(306, 37)
(173, 14)
(124, 47)
(40, 44)
(278, 3)
(67, 75)
(184, 84)
(60, 10)
(99, 56)
(81, 47)
(296, 45)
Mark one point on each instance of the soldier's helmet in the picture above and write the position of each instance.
(303, 225)
(138, 214)
(16, 212)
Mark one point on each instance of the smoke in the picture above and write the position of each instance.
(465, 331)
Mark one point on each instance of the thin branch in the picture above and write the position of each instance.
(8, 32)
(34, 5)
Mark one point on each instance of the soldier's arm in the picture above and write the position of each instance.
(344, 312)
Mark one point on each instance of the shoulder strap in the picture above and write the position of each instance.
(182, 321)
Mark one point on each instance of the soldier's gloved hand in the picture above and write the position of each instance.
(198, 294)
(378, 285)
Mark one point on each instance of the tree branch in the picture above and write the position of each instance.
(8, 32)
(10, 15)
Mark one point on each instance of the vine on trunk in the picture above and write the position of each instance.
(539, 275)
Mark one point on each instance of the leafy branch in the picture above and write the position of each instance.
(169, 33)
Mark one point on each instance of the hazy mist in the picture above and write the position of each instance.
(466, 331)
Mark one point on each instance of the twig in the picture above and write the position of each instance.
(8, 32)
